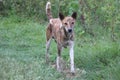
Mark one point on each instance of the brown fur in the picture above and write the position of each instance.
(61, 30)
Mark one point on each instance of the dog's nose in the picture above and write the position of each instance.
(69, 30)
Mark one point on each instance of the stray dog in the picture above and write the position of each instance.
(62, 31)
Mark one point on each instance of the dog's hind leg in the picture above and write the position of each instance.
(48, 37)
(47, 50)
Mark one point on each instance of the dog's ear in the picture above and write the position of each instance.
(74, 15)
(61, 16)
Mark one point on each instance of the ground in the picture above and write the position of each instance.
(22, 53)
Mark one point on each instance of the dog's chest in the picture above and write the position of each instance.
(66, 41)
(65, 44)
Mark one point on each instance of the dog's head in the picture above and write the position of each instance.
(68, 22)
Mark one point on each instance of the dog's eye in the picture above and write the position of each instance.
(72, 22)
(65, 23)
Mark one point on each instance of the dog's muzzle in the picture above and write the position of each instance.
(70, 30)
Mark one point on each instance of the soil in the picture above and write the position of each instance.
(67, 73)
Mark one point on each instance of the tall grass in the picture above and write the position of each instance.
(22, 50)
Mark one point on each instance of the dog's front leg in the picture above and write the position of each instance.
(58, 61)
(72, 57)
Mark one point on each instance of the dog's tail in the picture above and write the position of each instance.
(48, 10)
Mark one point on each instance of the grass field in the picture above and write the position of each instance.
(22, 52)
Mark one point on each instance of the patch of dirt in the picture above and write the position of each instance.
(67, 73)
(78, 73)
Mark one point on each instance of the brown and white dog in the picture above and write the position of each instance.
(62, 31)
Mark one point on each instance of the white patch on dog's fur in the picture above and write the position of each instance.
(51, 21)
(48, 6)
(61, 25)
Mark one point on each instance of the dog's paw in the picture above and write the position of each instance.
(59, 70)
(73, 73)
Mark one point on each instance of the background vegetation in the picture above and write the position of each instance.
(22, 40)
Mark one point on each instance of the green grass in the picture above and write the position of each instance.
(22, 53)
